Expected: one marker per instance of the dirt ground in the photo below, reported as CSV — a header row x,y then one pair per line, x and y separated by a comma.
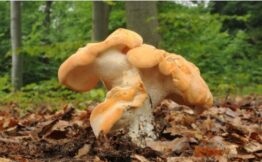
x,y
229,131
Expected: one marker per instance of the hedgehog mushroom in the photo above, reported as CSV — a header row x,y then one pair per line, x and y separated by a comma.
x,y
170,76
127,104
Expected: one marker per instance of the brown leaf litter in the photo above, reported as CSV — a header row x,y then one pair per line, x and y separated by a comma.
x,y
229,131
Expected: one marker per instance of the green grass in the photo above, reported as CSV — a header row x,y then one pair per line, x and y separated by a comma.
x,y
54,96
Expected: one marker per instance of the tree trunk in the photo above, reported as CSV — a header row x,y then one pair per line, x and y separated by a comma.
x,y
17,59
101,12
47,21
47,14
142,18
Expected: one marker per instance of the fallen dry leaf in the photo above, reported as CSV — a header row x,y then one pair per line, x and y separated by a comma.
x,y
184,159
228,131
167,147
253,147
5,160
84,150
207,151
244,157
139,158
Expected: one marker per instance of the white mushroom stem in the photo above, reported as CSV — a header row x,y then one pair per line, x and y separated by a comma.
x,y
127,104
160,87
157,85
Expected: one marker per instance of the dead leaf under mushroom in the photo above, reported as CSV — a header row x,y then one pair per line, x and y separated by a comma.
x,y
67,136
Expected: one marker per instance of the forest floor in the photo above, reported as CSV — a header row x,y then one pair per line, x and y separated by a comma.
x,y
229,131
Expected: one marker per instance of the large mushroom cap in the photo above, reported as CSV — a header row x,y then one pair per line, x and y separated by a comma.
x,y
186,84
76,72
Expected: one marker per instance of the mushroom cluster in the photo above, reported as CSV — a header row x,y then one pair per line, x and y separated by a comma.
x,y
138,77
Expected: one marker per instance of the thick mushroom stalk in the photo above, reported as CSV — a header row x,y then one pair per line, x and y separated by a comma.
x,y
126,104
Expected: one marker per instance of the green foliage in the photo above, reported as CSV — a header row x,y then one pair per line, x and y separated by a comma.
x,y
48,92
44,47
4,36
223,40
5,85
117,17
224,58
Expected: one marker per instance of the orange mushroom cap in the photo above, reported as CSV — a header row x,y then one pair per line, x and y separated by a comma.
x,y
188,86
186,77
145,56
77,72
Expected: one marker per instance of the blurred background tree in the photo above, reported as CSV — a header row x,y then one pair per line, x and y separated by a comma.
x,y
17,57
223,39
101,11
142,18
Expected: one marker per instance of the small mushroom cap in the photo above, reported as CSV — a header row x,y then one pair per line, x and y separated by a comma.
x,y
145,56
77,71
